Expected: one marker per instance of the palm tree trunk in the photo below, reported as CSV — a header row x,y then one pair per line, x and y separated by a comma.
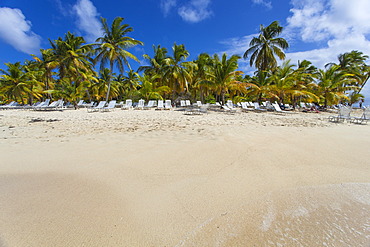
x,y
110,80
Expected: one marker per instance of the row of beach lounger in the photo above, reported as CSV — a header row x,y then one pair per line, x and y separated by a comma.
x,y
39,106
344,112
186,105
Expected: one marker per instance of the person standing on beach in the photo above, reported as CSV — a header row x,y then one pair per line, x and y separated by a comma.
x,y
361,102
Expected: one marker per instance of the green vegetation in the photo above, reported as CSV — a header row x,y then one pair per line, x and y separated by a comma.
x,y
68,70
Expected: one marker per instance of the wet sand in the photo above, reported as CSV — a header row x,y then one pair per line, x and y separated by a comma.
x,y
150,178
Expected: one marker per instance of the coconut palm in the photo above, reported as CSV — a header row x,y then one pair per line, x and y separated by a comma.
x,y
35,82
175,72
332,85
147,90
225,73
14,82
290,84
263,49
112,47
354,64
202,75
261,86
47,62
72,55
304,83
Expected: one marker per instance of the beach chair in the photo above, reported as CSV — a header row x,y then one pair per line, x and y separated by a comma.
x,y
140,105
111,106
258,108
80,103
58,105
344,113
182,103
150,105
204,108
187,103
88,105
278,109
42,105
244,106
8,106
227,109
160,105
167,105
364,118
199,103
230,105
127,105
53,106
100,106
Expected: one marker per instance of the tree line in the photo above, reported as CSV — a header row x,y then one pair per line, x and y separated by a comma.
x,y
67,70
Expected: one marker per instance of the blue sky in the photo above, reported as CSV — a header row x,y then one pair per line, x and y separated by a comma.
x,y
317,30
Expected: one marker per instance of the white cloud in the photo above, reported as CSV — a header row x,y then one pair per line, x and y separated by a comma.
x,y
167,6
192,11
267,4
16,31
87,19
195,11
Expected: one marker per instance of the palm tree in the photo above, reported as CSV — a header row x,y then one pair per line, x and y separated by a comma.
x,y
225,73
74,64
203,74
175,71
262,83
99,88
112,47
129,84
14,83
290,84
155,63
47,62
72,55
304,83
354,64
35,82
332,85
147,89
266,46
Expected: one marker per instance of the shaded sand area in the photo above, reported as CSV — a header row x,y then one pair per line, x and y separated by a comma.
x,y
150,178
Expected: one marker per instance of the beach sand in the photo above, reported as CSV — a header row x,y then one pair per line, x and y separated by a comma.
x,y
162,178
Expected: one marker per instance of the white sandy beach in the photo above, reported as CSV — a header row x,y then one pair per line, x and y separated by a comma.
x,y
161,178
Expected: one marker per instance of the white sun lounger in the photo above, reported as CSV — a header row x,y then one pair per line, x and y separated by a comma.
x,y
160,105
168,105
278,109
364,118
140,105
100,106
111,106
9,106
257,107
80,103
42,105
127,105
245,107
228,109
344,113
150,105
230,105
